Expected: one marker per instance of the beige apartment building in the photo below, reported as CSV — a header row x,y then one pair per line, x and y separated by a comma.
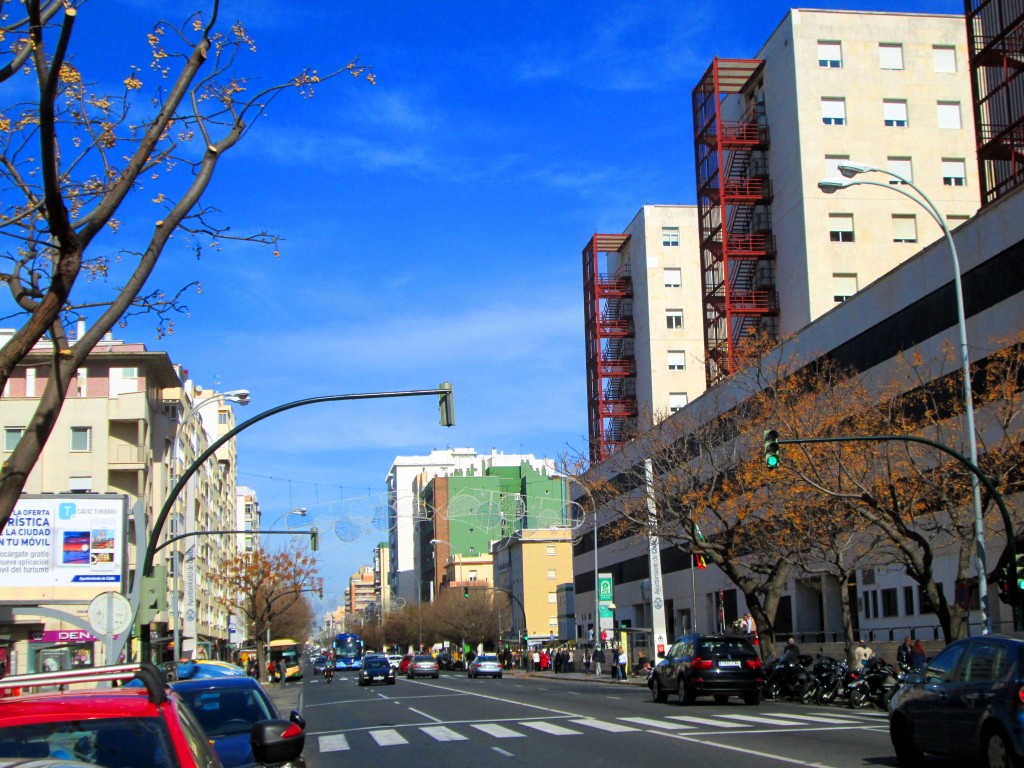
x,y
116,435
764,249
531,566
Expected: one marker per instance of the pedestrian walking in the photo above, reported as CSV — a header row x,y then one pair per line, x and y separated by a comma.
x,y
280,671
587,658
622,665
905,653
570,661
271,677
598,661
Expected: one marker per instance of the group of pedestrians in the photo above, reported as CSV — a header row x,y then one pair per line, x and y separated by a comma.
x,y
615,657
911,654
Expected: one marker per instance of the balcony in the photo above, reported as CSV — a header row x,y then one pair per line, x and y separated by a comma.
x,y
124,455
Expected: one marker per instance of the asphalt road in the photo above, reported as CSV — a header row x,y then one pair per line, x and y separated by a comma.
x,y
544,720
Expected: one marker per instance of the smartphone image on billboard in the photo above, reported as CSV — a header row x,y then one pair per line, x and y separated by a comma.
x,y
75,547
101,545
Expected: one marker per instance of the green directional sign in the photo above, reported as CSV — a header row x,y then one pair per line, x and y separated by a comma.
x,y
605,591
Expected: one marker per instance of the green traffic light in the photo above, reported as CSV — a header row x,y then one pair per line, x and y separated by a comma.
x,y
772,460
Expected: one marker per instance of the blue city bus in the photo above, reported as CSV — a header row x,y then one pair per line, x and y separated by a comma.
x,y
348,652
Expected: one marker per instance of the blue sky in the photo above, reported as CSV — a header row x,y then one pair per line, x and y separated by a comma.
x,y
432,223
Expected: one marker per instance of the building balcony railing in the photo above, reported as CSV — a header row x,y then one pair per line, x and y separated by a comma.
x,y
126,453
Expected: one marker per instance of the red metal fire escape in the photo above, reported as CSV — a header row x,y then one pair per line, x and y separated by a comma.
x,y
611,367
995,44
737,248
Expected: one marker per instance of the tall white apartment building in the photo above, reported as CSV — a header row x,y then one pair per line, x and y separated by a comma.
x,y
765,249
410,577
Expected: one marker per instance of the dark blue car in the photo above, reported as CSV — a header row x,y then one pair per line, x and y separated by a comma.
x,y
967,702
227,708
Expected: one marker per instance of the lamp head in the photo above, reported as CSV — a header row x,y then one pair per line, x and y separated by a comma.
x,y
239,396
850,168
300,511
829,186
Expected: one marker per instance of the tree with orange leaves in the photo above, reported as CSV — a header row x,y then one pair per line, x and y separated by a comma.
x,y
261,587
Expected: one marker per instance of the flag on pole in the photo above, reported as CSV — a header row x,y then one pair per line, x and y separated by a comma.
x,y
701,561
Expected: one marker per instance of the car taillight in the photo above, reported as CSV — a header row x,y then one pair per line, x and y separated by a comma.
x,y
291,731
1020,694
699,663
754,663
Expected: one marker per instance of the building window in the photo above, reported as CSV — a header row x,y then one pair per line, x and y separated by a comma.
x,y
901,166
833,111
944,58
843,286
890,606
674,319
954,220
954,173
840,227
552,574
673,277
552,597
677,361
551,550
894,113
866,601
908,601
552,622
11,437
890,56
670,236
904,228
223,417
677,401
83,382
949,115
830,54
924,601
80,484
81,439
832,166
472,575
131,372
30,382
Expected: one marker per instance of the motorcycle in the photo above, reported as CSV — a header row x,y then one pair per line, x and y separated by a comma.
x,y
875,685
328,674
789,679
827,673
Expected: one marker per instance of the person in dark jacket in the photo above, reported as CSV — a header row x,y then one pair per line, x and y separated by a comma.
x,y
904,654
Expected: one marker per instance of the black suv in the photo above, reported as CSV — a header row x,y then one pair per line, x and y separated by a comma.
x,y
708,665
966,702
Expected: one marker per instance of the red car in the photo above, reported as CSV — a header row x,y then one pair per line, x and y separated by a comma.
x,y
403,665
142,727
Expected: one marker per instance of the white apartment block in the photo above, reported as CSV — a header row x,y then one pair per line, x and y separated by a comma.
x,y
764,248
406,479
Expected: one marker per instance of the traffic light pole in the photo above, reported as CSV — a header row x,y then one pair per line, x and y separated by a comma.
x,y
1011,538
145,569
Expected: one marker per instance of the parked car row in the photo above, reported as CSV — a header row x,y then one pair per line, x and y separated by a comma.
x,y
211,719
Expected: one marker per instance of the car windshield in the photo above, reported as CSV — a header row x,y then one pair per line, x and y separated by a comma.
x,y
376,664
224,711
140,742
483,659
422,659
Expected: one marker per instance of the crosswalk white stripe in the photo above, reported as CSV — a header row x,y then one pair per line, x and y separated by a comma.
x,y
333,742
706,721
656,723
497,731
442,733
388,737
601,725
822,719
554,730
763,720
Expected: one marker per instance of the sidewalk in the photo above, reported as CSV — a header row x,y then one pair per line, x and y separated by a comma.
x,y
286,696
579,677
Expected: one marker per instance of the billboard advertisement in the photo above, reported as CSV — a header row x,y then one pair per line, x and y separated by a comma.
x,y
65,540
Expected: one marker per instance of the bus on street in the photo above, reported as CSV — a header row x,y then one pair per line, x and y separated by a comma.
x,y
348,651
287,652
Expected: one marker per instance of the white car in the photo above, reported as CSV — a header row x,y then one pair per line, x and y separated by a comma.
x,y
485,665
395,660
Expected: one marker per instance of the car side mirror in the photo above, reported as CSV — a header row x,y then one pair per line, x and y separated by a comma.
x,y
277,741
298,719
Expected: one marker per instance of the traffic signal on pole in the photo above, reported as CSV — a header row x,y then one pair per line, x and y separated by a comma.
x,y
314,539
771,448
1003,582
320,593
446,404
465,592
1020,570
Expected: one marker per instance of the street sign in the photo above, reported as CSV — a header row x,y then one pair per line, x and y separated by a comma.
x,y
110,613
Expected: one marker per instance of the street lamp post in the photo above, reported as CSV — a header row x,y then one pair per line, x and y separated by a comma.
x,y
240,397
849,170
298,511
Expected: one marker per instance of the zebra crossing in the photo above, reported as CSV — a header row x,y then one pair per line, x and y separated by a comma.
x,y
681,724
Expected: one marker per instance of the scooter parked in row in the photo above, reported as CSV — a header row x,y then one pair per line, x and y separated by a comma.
x,y
875,685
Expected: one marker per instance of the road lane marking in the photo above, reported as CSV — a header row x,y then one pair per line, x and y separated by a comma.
x,y
601,725
742,750
550,728
706,721
424,714
502,752
388,737
780,720
498,731
441,733
822,719
335,742
652,723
